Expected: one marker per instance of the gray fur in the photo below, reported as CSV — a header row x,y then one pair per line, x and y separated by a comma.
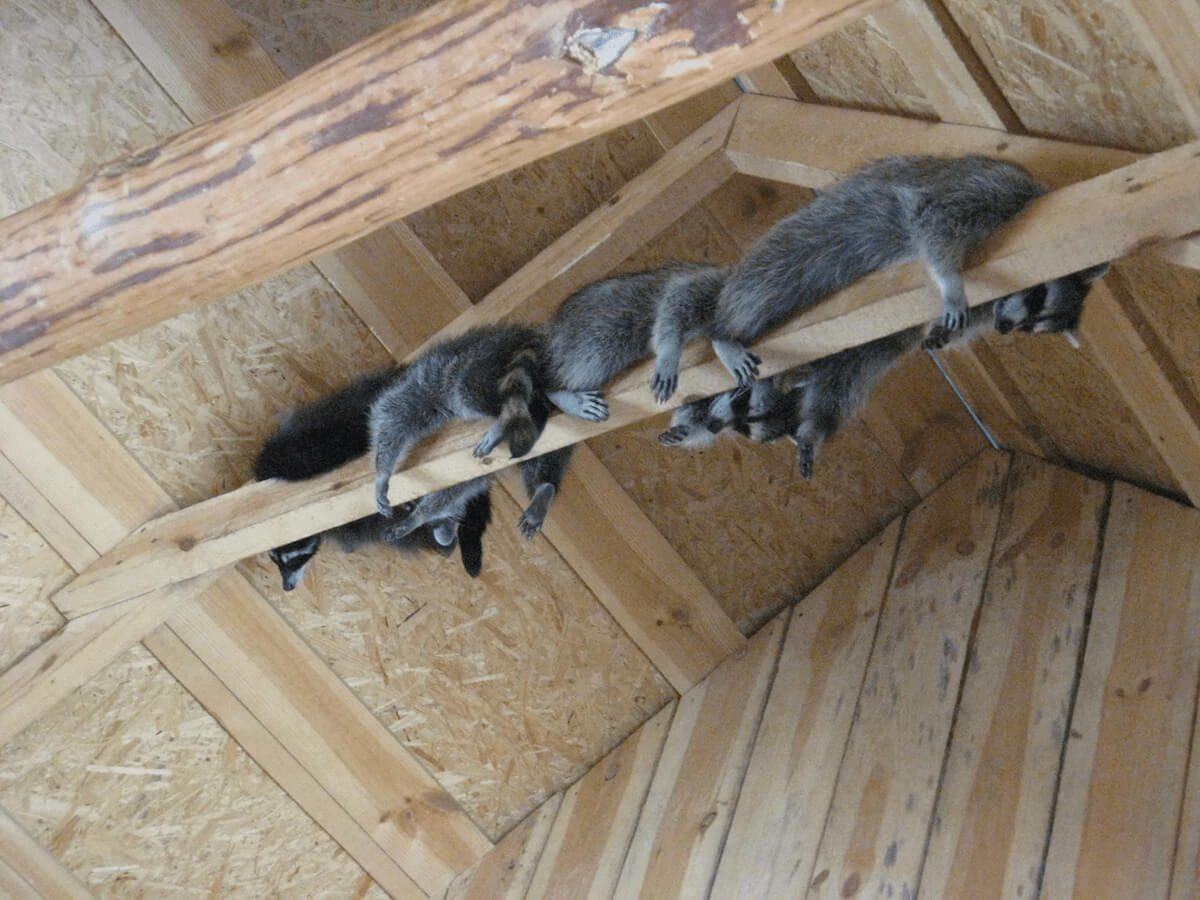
x,y
898,209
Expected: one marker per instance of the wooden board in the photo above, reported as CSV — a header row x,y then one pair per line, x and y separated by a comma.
x,y
41,874
682,826
30,571
504,872
874,839
591,834
1117,812
789,783
991,824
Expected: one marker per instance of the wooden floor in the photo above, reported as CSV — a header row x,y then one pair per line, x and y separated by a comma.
x,y
993,698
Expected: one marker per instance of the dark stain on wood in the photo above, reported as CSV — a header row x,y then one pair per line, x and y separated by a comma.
x,y
346,207
16,289
237,45
159,244
372,117
22,334
243,164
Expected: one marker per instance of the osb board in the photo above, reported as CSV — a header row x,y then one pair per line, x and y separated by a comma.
x,y
746,207
756,534
74,97
1073,69
508,686
30,571
141,794
486,233
856,66
1080,408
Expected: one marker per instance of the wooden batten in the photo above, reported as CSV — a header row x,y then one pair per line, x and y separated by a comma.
x,y
32,870
1070,229
1183,252
379,131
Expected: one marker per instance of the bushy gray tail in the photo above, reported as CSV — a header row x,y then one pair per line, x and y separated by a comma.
x,y
517,419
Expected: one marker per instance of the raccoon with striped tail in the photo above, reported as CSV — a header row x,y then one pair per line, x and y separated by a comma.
x,y
895,210
809,403
324,435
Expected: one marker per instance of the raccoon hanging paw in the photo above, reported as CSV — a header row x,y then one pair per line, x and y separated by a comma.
x,y
535,513
665,379
381,494
937,337
588,405
674,435
805,454
529,525
490,440
741,363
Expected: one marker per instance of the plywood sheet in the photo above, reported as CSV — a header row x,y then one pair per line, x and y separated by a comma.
x,y
1073,69
30,571
857,66
755,533
992,821
508,686
141,794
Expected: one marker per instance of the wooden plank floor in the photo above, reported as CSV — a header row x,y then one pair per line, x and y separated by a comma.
x,y
996,697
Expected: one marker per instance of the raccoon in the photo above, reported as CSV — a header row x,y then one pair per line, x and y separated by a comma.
x,y
895,210
809,403
329,433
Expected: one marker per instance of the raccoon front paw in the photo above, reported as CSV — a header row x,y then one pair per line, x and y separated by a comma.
x,y
741,363
746,370
529,525
937,338
381,497
805,454
952,320
594,408
673,435
488,442
663,385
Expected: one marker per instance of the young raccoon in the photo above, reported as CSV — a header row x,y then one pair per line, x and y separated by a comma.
x,y
810,403
892,211
604,328
329,433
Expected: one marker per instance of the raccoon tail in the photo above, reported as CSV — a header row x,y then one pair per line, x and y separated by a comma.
x,y
470,532
517,422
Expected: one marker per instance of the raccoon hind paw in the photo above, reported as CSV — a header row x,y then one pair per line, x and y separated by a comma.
x,y
805,453
529,525
673,435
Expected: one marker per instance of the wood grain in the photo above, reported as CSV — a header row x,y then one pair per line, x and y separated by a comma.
x,y
504,872
789,783
1121,792
874,839
991,824
36,867
381,130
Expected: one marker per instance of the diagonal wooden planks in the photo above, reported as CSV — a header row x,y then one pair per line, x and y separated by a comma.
x,y
1117,812
505,871
437,103
789,783
992,819
33,868
1069,229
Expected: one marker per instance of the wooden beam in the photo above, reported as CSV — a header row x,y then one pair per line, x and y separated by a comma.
x,y
1125,344
696,634
44,875
442,101
1103,218
814,146
1182,252
505,871
1170,32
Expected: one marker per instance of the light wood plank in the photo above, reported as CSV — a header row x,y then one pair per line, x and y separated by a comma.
x,y
637,575
1169,31
1183,252
1067,230
1185,873
875,836
27,500
780,814
383,129
1121,790
235,632
1126,346
677,843
35,866
992,821
505,871
587,846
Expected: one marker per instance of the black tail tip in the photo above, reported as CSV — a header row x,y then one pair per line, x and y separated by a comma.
x,y
472,556
521,438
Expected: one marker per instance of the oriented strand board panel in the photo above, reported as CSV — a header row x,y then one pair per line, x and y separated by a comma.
x,y
756,534
875,836
687,812
141,794
857,66
591,834
992,821
1121,791
508,686
30,571
777,826
1073,69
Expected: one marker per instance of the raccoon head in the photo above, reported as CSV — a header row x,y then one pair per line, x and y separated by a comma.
x,y
772,414
292,558
1051,307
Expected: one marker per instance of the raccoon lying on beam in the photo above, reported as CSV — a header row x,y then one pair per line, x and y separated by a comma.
x,y
809,403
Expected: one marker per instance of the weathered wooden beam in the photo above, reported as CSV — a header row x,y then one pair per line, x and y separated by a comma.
x,y
44,875
1157,198
444,100
1183,252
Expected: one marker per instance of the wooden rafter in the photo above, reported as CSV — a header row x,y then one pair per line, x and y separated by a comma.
x,y
381,130
1103,218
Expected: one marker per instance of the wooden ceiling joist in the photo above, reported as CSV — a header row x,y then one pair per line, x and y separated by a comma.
x,y
440,102
1156,198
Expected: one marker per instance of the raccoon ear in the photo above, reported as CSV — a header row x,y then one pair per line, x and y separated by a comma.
x,y
1073,338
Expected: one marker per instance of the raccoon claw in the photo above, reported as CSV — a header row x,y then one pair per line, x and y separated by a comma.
x,y
673,436
663,386
595,407
937,338
381,498
487,443
804,460
747,371
528,526
952,320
